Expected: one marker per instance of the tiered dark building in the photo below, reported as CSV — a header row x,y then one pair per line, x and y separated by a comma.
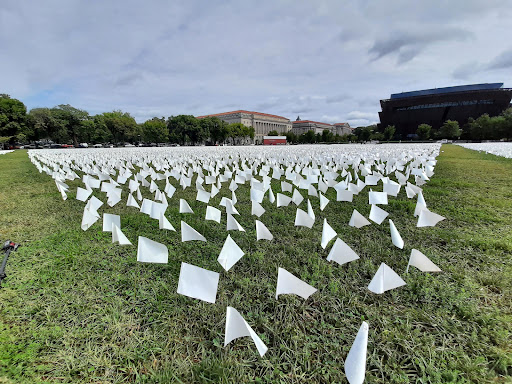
x,y
407,110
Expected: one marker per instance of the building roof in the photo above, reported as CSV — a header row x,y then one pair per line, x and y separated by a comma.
x,y
244,111
458,88
342,124
309,121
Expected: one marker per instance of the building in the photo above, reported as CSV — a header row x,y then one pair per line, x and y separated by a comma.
x,y
302,126
343,129
274,140
407,110
262,123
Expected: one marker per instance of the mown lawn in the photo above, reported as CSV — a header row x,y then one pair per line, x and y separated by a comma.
x,y
76,308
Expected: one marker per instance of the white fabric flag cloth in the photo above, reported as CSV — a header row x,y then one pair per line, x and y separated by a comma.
x,y
420,204
237,327
118,236
189,234
341,253
271,196
355,363
286,187
428,219
323,202
229,254
302,219
198,283
232,224
146,206
163,223
203,196
83,194
422,262
395,235
257,209
357,220
287,283
311,212
131,202
213,214
109,220
230,207
327,234
283,200
262,232
89,217
94,203
149,251
377,215
344,195
184,207
384,280
297,197
378,198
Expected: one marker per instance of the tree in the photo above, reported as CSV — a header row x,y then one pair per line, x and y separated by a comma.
x,y
216,128
12,116
291,137
185,128
389,132
507,123
327,136
273,133
449,130
308,137
155,130
423,131
121,125
364,133
71,119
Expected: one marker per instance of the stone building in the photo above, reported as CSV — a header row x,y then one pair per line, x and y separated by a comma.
x,y
342,129
262,123
302,126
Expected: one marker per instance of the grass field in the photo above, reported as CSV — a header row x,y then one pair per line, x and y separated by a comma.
x,y
76,308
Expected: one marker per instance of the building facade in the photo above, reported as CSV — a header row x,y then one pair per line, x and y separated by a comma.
x,y
302,126
407,110
262,123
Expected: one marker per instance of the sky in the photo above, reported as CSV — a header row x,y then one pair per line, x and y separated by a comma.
x,y
323,60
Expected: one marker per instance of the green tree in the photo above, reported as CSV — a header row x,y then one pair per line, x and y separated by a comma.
x,y
291,137
185,128
327,136
449,130
273,133
121,125
12,116
155,130
364,133
423,131
507,123
389,132
215,127
71,119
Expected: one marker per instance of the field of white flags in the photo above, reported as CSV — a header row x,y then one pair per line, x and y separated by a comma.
x,y
240,200
498,149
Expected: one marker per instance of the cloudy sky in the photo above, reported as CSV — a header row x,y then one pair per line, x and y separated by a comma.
x,y
324,60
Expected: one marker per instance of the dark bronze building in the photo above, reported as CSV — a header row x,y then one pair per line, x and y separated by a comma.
x,y
407,110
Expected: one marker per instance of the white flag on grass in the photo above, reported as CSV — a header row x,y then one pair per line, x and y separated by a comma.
x,y
283,200
428,219
323,202
90,216
184,207
357,220
83,194
257,209
341,253
149,251
237,327
163,223
420,204
108,220
327,234
422,262
189,234
302,219
311,212
203,196
213,214
377,215
232,224
378,198
297,197
229,254
384,280
262,232
395,235
355,364
198,283
287,283
131,202
118,236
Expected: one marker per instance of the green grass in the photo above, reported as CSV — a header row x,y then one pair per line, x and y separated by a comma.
x,y
76,308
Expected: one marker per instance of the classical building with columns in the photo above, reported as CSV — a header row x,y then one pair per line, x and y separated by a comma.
x,y
262,123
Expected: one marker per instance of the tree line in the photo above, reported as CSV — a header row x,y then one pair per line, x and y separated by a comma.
x,y
66,124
